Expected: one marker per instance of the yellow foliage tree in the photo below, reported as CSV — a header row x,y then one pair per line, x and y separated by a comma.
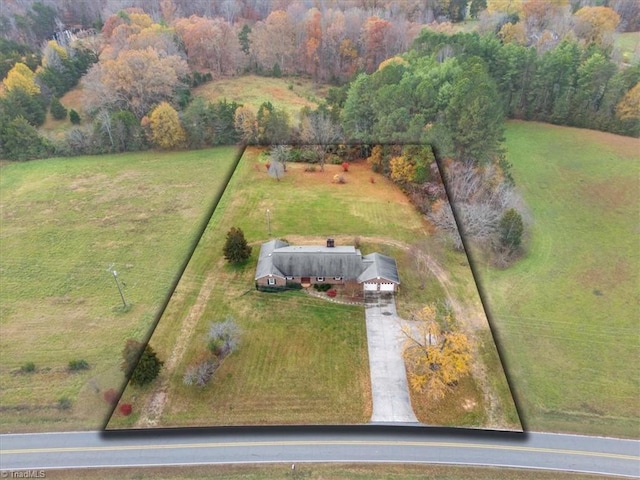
x,y
402,170
596,24
510,7
166,130
513,33
629,106
246,122
436,358
20,76
397,60
375,160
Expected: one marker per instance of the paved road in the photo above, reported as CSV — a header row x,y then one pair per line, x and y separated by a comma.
x,y
370,443
389,389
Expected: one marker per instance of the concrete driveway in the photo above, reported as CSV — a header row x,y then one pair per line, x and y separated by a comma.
x,y
389,388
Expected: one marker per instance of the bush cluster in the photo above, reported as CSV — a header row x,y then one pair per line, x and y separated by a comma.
x,y
76,365
322,287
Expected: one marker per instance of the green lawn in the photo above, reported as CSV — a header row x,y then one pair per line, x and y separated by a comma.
x,y
567,313
628,44
302,359
64,221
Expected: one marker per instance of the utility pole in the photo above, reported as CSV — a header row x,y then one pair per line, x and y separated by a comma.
x,y
269,221
115,277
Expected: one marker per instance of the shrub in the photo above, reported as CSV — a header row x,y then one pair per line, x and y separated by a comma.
x,y
332,293
28,367
200,373
339,179
345,166
111,396
322,287
310,168
64,403
223,337
74,117
268,165
76,365
125,409
372,180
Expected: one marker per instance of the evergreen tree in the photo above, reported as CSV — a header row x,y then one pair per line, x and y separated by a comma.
x,y
235,248
18,103
20,141
57,109
474,115
74,117
147,369
130,356
511,229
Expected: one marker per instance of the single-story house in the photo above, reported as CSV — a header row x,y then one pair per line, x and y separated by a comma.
x,y
281,264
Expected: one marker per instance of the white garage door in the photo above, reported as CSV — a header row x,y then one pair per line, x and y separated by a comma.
x,y
370,287
386,287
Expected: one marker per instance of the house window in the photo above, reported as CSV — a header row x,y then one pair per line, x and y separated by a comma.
x,y
320,279
271,281
337,278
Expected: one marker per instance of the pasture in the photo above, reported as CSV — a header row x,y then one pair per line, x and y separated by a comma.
x,y
302,359
64,222
291,94
566,315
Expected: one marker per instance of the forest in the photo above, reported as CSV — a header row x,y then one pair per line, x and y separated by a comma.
x,y
401,72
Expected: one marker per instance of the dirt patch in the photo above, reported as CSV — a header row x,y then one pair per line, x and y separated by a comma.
x,y
605,277
612,193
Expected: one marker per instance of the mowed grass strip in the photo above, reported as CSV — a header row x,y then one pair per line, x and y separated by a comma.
x,y
567,314
64,221
313,471
302,360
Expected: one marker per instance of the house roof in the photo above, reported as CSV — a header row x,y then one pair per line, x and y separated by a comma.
x,y
318,261
265,264
278,258
378,266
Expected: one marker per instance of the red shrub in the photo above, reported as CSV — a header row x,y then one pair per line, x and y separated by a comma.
x,y
110,396
372,180
125,409
332,293
345,166
268,165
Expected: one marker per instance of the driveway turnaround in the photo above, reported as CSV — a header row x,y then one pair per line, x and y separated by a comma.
x,y
389,389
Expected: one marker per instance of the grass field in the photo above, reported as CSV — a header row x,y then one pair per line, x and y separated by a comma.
x,y
290,94
321,472
567,313
302,359
629,45
64,221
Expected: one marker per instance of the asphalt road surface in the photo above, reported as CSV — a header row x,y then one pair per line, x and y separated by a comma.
x,y
371,443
